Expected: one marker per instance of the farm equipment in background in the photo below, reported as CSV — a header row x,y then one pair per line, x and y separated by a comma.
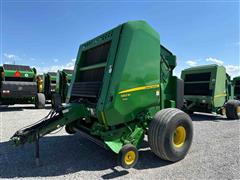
x,y
236,87
209,89
18,86
49,84
122,89
63,81
39,80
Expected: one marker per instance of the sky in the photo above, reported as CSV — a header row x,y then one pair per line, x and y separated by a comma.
x,y
47,34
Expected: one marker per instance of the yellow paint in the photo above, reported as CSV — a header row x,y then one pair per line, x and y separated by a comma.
x,y
238,109
179,136
140,88
223,111
40,85
220,95
129,157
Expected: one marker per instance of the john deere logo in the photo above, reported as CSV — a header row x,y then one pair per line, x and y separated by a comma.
x,y
26,75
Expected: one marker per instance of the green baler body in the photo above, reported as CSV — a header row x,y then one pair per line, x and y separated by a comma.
x,y
206,88
17,84
49,84
121,79
63,81
131,71
236,87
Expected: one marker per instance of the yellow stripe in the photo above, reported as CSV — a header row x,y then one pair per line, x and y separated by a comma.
x,y
140,88
103,118
220,95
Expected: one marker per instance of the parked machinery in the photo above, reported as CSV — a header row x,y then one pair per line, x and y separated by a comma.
x,y
49,84
39,83
18,86
63,81
122,88
209,89
236,87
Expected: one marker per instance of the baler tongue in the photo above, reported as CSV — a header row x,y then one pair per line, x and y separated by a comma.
x,y
56,118
33,132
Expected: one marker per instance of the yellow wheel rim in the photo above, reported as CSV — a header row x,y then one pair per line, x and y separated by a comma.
x,y
238,109
129,157
179,136
223,111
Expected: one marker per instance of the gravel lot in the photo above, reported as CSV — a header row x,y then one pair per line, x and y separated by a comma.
x,y
214,153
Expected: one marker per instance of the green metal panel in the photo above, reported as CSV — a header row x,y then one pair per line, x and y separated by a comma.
x,y
220,91
23,73
135,76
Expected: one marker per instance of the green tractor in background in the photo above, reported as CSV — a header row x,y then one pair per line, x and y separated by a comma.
x,y
18,86
236,87
122,89
63,81
209,89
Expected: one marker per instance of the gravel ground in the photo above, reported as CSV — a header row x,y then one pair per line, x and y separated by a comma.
x,y
214,153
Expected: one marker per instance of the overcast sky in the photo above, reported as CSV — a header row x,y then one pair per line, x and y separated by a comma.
x,y
47,34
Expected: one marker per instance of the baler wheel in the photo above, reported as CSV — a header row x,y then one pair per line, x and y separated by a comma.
x,y
40,101
69,129
233,109
128,156
170,134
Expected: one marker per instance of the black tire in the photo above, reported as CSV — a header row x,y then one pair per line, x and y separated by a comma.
x,y
128,156
56,100
69,129
161,134
232,109
40,101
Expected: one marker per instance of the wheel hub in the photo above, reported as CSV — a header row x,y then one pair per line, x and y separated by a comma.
x,y
238,111
130,157
179,136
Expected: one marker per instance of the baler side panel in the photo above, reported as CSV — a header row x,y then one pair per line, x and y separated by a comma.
x,y
46,85
220,91
135,80
58,82
168,82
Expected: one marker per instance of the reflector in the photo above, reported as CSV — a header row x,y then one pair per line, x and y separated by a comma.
x,y
17,74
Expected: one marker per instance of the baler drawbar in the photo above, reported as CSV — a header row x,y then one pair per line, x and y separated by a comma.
x,y
54,120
